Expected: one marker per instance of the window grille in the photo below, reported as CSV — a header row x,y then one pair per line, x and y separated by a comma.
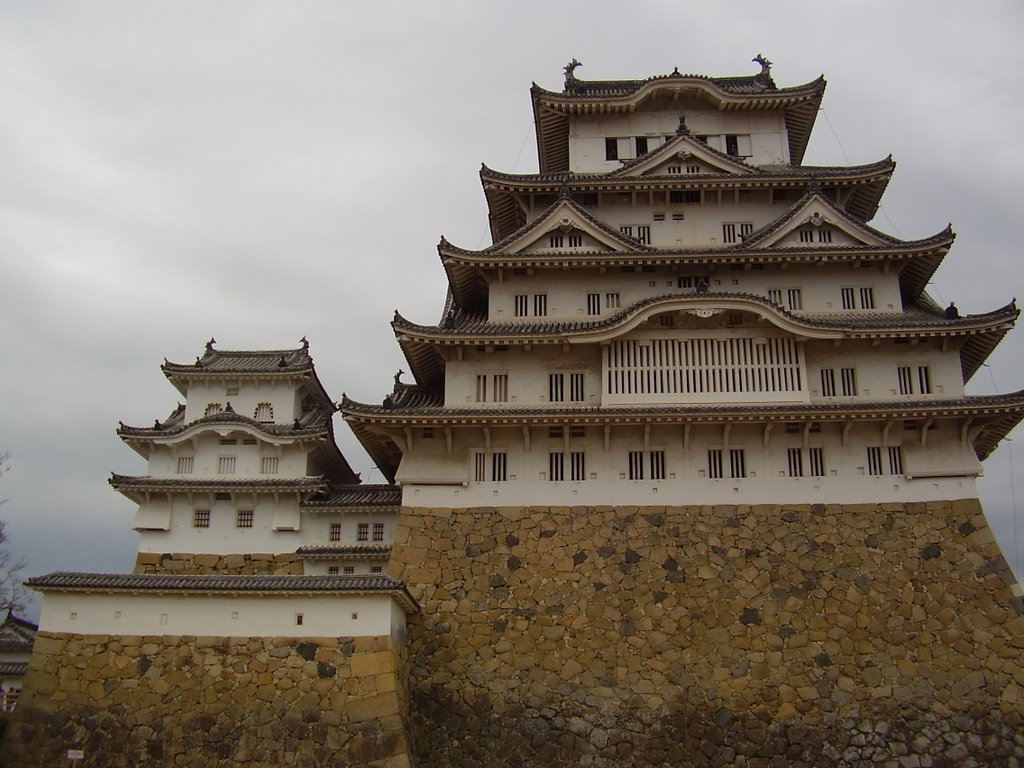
x,y
895,460
575,241
906,380
816,462
348,570
643,234
577,466
481,388
333,570
715,463
363,532
556,387
479,467
556,467
628,231
556,241
501,387
522,305
201,518
244,518
696,366
796,462
378,531
824,235
540,304
636,465
867,298
794,300
848,298
593,303
226,465
576,387
657,465
828,382
924,380
807,235
874,460
849,381
693,169
499,467
737,463
673,169
611,300
335,534
268,465
185,465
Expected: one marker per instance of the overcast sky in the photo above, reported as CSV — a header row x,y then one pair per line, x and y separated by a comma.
x,y
257,172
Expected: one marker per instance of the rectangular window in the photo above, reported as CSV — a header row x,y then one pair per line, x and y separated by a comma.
x,y
874,460
226,465
575,241
556,241
824,235
577,430
576,387
556,467
643,234
268,465
335,532
556,387
737,463
378,531
332,570
244,518
816,462
577,466
924,380
686,196
481,388
775,296
611,300
848,298
501,388
735,232
794,300
201,518
593,303
348,570
627,231
611,149
715,463
522,305
376,569
796,462
867,298
693,169
657,465
849,381
906,380
499,467
807,235
641,145
636,465
828,382
895,460
185,465
363,532
540,304
479,467
737,145
673,169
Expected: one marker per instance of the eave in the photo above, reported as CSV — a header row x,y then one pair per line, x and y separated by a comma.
x,y
139,488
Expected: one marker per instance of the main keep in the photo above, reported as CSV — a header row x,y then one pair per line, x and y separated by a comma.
x,y
686,472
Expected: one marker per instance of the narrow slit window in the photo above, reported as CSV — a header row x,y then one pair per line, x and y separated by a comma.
x,y
269,465
499,467
906,380
816,462
874,460
335,534
796,462
636,465
849,381
226,465
828,382
715,463
576,387
479,467
924,380
556,387
556,467
500,391
577,466
895,460
540,304
185,464
363,532
522,305
657,465
593,303
737,463
378,531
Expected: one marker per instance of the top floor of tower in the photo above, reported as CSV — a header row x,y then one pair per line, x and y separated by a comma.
x,y
596,126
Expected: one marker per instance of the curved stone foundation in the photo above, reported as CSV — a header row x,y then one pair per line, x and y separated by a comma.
x,y
712,636
202,701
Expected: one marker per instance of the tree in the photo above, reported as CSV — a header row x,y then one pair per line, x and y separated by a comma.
x,y
12,591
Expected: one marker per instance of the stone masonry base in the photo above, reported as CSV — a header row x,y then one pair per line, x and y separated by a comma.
x,y
751,636
211,701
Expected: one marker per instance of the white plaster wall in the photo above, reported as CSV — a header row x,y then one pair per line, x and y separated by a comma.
x,y
877,368
281,394
223,536
768,137
821,288
221,616
316,526
942,468
249,448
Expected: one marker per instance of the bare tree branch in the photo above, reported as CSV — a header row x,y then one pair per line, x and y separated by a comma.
x,y
12,591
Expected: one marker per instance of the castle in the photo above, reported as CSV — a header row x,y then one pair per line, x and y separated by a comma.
x,y
685,475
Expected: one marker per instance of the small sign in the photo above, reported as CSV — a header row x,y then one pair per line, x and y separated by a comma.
x,y
76,754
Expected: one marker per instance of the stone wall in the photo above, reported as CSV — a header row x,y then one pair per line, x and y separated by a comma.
x,y
751,636
191,563
212,701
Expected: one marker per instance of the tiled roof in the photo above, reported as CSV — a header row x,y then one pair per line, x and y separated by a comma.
x,y
358,496
312,422
131,486
371,551
13,668
744,85
913,319
1005,410
93,582
17,634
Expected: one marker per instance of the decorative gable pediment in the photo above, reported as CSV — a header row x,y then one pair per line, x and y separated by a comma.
x,y
567,228
815,222
683,155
